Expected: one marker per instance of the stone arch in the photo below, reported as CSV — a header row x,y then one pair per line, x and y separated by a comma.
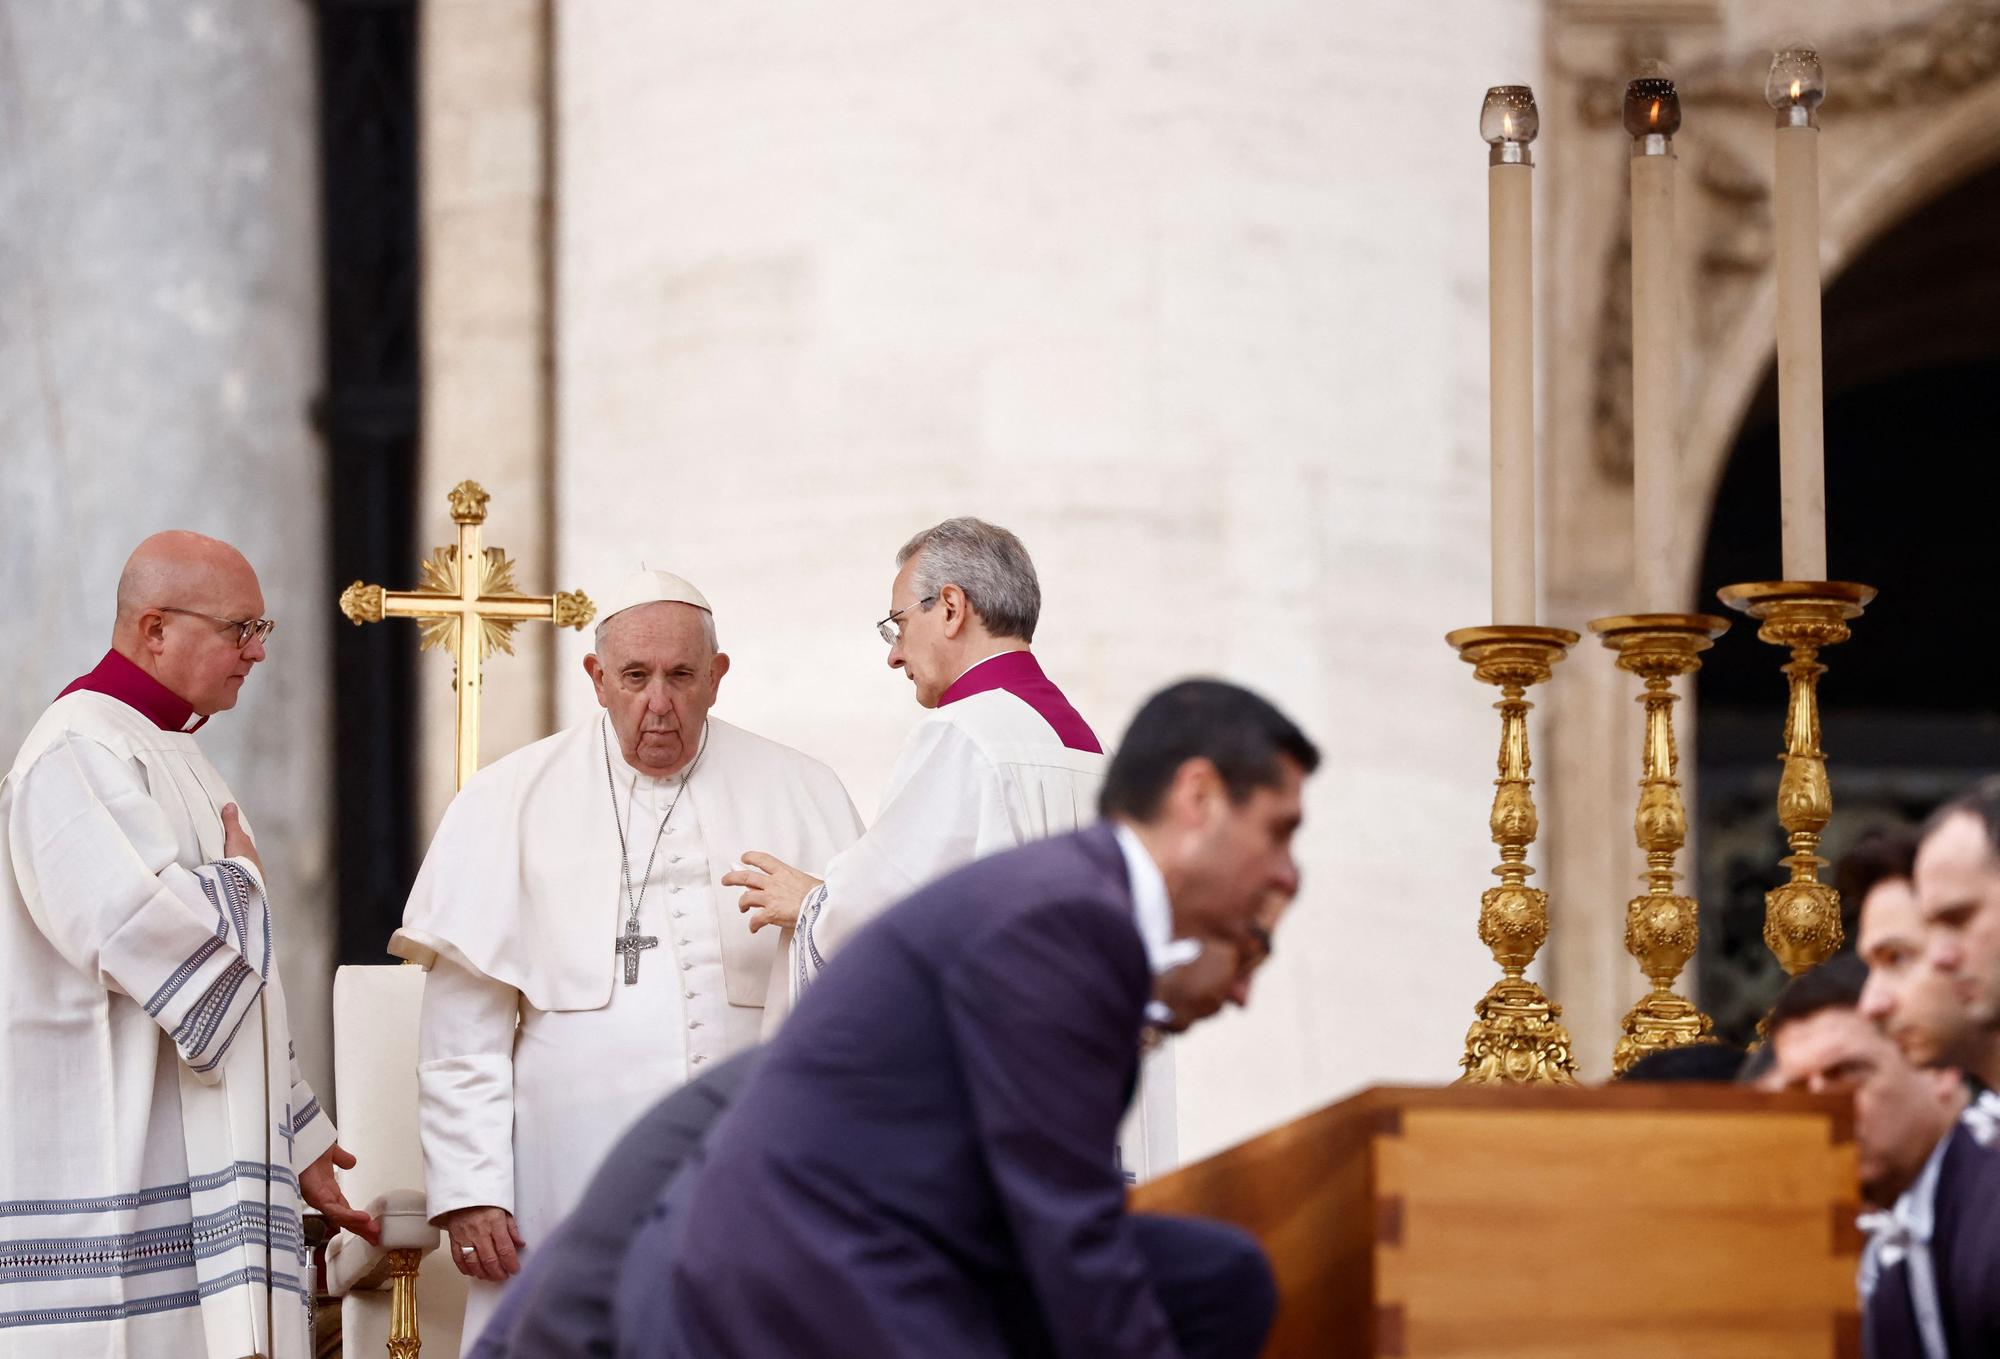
x,y
1916,108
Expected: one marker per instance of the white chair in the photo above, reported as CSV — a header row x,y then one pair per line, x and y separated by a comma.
x,y
385,1289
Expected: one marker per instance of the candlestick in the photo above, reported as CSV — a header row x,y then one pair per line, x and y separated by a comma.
x,y
1802,916
1517,1036
1662,927
1652,116
1509,121
1795,88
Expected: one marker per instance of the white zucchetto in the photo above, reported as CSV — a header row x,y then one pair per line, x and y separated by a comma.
x,y
647,586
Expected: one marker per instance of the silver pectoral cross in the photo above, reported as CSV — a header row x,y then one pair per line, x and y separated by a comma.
x,y
631,943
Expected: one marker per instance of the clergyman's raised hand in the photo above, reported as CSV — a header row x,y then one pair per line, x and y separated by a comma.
x,y
236,842
776,890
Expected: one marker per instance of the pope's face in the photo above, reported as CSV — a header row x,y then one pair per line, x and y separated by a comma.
x,y
198,658
657,678
1910,999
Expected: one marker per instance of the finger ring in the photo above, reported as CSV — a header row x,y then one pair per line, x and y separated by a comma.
x,y
468,1250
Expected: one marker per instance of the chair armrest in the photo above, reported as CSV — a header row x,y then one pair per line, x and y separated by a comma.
x,y
354,1265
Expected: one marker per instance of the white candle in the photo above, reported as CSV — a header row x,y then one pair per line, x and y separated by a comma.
x,y
1509,121
1795,88
1652,116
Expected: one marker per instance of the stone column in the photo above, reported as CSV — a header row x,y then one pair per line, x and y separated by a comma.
x,y
486,344
159,350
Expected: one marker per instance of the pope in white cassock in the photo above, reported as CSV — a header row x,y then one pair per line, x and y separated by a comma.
x,y
584,958
158,1137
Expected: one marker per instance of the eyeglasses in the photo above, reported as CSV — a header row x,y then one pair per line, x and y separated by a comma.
x,y
1259,952
891,630
247,629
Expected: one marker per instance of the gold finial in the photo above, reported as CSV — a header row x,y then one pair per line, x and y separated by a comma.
x,y
362,603
468,503
574,609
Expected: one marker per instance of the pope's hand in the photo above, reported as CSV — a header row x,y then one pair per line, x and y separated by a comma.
x,y
483,1242
777,890
236,842
319,1188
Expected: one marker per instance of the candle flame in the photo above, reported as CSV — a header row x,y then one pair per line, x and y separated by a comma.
x,y
1507,125
1653,114
1795,89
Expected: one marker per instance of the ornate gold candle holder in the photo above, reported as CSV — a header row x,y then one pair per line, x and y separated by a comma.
x,y
1517,1036
1802,916
1662,926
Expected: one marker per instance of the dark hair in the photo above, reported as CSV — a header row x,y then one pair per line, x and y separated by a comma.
x,y
1885,854
1690,1062
1757,1065
1834,985
1240,733
1982,799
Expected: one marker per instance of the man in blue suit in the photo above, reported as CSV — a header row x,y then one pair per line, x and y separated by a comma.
x,y
923,1166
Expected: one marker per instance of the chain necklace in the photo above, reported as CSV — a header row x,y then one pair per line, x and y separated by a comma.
x,y
624,852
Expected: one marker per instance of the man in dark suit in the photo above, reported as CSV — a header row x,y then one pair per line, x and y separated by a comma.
x,y
560,1305
1938,997
924,1164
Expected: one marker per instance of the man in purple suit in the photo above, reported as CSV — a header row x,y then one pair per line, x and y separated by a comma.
x,y
924,1164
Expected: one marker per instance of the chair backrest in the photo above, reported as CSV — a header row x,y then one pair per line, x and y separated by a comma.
x,y
375,1012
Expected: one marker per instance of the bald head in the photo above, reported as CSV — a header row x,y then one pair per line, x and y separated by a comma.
x,y
176,596
184,569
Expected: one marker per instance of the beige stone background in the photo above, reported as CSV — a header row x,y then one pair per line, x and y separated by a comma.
x,y
1193,298
159,351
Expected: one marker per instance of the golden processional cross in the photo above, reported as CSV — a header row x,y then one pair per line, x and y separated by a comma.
x,y
469,607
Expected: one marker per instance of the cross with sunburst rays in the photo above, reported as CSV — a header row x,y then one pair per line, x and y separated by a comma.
x,y
468,593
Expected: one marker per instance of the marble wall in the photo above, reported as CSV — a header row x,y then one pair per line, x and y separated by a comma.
x,y
486,379
1192,297
159,345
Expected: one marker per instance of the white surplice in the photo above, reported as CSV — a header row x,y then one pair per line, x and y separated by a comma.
x,y
535,1055
155,1119
978,775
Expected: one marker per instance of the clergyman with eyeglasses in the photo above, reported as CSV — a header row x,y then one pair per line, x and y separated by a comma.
x,y
161,1124
1000,759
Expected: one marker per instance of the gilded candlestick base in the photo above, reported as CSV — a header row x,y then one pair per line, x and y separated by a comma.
x,y
1517,1035
1662,927
1802,916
